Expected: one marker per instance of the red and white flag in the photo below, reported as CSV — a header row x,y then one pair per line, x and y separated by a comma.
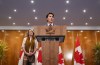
x,y
20,62
39,57
60,57
78,56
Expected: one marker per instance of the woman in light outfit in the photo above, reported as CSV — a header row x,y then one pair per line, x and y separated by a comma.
x,y
29,46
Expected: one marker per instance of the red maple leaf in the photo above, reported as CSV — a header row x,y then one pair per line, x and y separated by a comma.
x,y
78,57
60,58
21,53
40,56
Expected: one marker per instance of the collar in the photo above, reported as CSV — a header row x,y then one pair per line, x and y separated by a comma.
x,y
49,24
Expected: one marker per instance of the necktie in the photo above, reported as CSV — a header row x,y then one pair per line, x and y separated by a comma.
x,y
50,25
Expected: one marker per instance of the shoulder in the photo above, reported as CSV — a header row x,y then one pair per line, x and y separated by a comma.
x,y
24,38
35,39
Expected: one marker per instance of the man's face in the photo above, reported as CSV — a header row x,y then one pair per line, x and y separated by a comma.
x,y
50,18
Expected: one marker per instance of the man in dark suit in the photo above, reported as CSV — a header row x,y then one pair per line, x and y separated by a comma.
x,y
50,19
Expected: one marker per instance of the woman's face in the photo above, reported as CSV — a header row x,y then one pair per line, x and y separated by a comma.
x,y
30,32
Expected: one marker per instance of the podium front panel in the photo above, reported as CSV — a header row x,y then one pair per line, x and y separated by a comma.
x,y
50,50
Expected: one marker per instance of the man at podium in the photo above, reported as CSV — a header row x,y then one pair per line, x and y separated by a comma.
x,y
50,23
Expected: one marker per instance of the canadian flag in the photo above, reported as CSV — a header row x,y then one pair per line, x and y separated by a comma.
x,y
60,57
20,62
78,57
39,57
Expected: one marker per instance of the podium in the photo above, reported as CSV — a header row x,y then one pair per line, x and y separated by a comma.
x,y
50,37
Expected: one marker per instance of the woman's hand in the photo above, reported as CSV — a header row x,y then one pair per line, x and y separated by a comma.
x,y
32,53
29,54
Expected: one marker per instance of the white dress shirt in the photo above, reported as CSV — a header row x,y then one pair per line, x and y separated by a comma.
x,y
50,23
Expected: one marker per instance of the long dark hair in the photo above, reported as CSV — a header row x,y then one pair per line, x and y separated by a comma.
x,y
27,43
